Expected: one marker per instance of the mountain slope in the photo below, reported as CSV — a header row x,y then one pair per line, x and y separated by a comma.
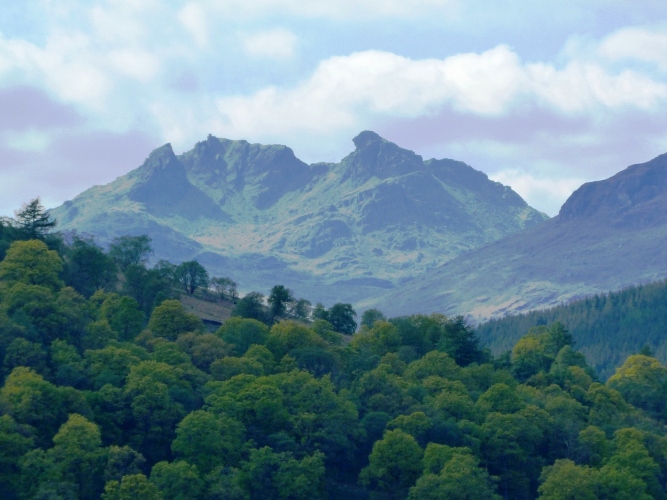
x,y
608,235
261,216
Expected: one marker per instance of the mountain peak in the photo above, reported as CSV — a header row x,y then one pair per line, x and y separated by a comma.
x,y
367,138
636,191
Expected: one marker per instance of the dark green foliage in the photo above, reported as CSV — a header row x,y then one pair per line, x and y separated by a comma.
x,y
341,317
88,268
252,306
278,300
606,328
370,316
129,251
34,220
96,404
191,275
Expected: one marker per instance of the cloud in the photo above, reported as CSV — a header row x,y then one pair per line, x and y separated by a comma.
x,y
641,44
277,43
193,18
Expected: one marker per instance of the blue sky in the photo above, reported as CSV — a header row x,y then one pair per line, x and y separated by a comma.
x,y
540,95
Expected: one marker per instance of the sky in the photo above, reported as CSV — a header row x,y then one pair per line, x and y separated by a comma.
x,y
540,95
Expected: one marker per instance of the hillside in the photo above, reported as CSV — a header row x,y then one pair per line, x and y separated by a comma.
x,y
608,235
607,328
261,216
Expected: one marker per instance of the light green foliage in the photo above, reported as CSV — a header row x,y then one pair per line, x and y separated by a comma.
x,y
460,479
416,424
170,319
642,381
177,481
436,456
288,335
242,333
395,463
132,487
98,334
226,368
567,481
31,263
208,441
110,365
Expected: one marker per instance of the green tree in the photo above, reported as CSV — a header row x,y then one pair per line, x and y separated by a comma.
x,y
241,333
88,268
370,316
170,319
226,288
177,481
15,441
341,316
642,381
395,464
129,251
32,263
279,298
131,488
122,461
191,275
34,220
208,441
123,315
565,480
460,479
251,306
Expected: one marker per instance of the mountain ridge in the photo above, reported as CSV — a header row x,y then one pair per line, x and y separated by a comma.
x,y
608,235
258,213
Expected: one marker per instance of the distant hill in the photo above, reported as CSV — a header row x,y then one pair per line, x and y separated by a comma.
x,y
607,328
608,235
261,216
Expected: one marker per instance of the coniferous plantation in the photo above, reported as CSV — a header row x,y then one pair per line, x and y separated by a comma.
x,y
111,389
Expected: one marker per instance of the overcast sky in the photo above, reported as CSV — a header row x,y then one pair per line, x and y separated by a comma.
x,y
540,95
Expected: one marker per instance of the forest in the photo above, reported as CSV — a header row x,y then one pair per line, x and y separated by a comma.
x,y
607,328
111,389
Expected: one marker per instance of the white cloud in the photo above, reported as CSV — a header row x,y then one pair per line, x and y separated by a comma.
x,y
276,43
343,90
642,44
193,17
547,193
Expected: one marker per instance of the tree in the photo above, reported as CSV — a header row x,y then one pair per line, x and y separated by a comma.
x,y
131,488
225,288
341,316
207,440
460,479
178,480
191,275
32,263
34,219
394,464
300,309
170,319
565,480
252,307
370,316
88,268
130,250
278,301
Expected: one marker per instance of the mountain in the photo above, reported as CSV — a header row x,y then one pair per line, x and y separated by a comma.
x,y
608,235
261,216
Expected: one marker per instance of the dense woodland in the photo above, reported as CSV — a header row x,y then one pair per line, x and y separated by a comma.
x,y
606,328
111,389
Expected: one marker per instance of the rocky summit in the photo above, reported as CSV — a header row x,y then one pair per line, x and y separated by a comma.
x,y
608,235
261,216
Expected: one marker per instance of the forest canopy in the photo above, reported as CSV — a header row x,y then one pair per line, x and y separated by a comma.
x,y
112,389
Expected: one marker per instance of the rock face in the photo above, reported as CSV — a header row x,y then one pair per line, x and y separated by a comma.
x,y
261,216
608,235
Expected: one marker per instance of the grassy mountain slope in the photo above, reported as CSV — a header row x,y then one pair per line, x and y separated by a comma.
x,y
608,235
261,216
